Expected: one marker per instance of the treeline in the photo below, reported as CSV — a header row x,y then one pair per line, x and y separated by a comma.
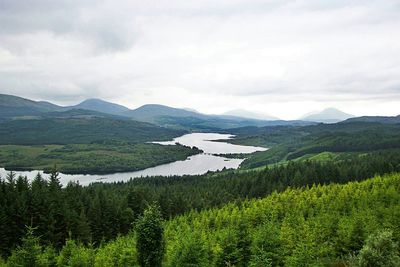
x,y
295,142
100,212
84,129
355,224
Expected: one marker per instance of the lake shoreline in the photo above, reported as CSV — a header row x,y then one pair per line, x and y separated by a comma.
x,y
212,156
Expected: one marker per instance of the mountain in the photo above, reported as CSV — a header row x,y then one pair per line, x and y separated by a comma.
x,y
379,119
250,115
101,106
14,106
191,110
329,115
151,112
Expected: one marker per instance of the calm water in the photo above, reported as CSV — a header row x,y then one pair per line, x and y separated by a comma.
x,y
198,164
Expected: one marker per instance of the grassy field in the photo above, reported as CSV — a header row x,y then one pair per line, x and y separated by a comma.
x,y
91,158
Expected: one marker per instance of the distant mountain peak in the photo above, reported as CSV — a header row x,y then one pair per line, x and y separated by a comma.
x,y
149,112
250,115
100,105
327,115
191,110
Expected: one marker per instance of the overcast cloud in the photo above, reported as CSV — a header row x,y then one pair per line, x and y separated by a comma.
x,y
284,58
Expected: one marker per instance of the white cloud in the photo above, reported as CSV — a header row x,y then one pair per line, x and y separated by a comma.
x,y
280,57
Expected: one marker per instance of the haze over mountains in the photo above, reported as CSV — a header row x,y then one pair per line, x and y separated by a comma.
x,y
12,107
328,115
251,115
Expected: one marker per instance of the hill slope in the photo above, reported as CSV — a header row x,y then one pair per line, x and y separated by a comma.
x,y
379,119
79,130
317,226
101,106
151,112
13,106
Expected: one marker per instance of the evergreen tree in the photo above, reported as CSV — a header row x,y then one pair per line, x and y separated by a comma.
x,y
150,240
28,253
57,233
380,251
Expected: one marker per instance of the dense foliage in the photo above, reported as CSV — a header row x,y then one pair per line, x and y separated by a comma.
x,y
95,158
288,143
344,225
100,212
81,130
150,238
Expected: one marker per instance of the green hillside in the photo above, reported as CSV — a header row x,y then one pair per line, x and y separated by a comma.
x,y
289,143
151,112
101,106
380,119
13,106
332,225
81,130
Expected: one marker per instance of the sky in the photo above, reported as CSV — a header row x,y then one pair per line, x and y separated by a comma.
x,y
283,58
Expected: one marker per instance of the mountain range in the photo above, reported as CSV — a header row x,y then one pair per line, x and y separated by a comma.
x,y
14,107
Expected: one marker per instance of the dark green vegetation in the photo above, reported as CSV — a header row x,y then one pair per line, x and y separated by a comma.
x,y
95,158
389,120
12,106
81,131
37,135
308,202
290,143
150,238
102,106
102,211
336,225
216,123
81,141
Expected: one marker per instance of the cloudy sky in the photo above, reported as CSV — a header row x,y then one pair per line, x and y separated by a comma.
x,y
283,58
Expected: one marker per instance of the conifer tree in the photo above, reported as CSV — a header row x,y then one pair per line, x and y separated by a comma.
x,y
150,240
380,250
28,253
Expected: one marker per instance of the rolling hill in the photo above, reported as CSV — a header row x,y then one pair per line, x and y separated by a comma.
x,y
81,129
101,106
13,106
151,112
379,119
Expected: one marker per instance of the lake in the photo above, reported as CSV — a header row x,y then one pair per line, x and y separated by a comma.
x,y
197,164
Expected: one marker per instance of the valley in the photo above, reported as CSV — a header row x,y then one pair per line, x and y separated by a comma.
x,y
102,158
240,133
190,154
218,185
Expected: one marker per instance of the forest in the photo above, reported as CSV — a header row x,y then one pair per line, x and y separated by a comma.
x,y
81,127
322,195
293,142
355,224
91,217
